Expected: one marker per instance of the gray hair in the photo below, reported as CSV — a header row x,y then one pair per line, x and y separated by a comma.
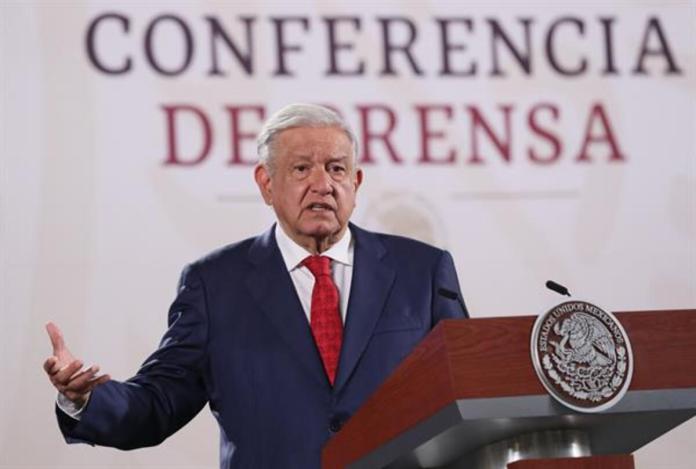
x,y
299,115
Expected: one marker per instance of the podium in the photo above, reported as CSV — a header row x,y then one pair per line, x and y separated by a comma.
x,y
468,397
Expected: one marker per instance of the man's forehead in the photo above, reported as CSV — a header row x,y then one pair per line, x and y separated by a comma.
x,y
310,141
307,134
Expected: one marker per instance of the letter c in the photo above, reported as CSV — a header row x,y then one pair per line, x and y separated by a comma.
x,y
91,47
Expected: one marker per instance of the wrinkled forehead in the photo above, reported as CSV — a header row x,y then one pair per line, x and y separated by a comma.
x,y
326,142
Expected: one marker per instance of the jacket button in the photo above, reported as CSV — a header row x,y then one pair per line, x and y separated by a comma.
x,y
335,425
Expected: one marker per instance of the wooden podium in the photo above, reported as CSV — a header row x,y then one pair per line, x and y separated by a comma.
x,y
470,385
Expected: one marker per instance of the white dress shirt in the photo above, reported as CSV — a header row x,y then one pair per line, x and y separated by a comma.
x,y
341,255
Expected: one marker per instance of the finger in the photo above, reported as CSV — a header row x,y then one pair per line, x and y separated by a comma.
x,y
62,377
81,396
56,337
100,380
57,366
81,381
50,365
97,381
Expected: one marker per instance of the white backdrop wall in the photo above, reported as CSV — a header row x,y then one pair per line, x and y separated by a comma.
x,y
534,140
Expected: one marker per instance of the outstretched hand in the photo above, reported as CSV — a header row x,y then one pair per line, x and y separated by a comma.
x,y
66,373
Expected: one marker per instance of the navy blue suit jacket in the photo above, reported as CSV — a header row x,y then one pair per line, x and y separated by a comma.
x,y
239,340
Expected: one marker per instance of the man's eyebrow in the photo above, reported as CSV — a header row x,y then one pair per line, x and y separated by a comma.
x,y
300,157
334,159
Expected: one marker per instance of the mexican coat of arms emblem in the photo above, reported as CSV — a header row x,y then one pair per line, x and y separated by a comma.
x,y
582,356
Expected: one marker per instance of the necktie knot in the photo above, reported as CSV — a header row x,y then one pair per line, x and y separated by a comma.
x,y
318,265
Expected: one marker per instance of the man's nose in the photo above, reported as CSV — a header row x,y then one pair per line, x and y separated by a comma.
x,y
321,181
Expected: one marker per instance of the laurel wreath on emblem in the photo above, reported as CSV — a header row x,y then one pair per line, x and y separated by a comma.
x,y
586,363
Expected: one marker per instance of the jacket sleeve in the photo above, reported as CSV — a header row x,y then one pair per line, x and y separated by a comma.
x,y
166,393
448,302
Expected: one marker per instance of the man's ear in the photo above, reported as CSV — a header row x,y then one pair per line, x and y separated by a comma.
x,y
358,179
263,180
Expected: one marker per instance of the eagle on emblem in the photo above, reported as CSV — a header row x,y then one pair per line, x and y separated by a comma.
x,y
584,340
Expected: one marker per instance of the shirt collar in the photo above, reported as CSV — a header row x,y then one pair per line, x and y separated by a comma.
x,y
293,254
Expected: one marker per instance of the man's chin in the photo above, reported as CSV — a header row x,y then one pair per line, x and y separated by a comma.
x,y
322,230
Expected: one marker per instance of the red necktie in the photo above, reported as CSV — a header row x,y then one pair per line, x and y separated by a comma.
x,y
326,324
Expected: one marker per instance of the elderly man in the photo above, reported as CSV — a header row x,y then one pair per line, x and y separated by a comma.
x,y
284,335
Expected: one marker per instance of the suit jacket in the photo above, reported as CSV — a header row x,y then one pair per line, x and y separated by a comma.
x,y
239,340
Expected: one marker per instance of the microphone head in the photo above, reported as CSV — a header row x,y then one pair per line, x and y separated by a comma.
x,y
557,287
448,293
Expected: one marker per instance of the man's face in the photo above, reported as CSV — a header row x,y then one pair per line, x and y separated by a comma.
x,y
313,184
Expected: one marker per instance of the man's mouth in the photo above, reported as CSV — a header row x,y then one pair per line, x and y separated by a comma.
x,y
319,207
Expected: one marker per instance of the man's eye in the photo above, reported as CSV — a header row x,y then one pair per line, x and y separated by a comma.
x,y
301,168
337,168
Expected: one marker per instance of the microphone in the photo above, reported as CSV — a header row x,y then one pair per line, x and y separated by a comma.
x,y
557,287
450,295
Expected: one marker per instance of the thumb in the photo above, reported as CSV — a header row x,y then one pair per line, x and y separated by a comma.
x,y
56,338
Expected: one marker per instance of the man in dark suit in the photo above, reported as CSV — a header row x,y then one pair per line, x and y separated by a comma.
x,y
284,335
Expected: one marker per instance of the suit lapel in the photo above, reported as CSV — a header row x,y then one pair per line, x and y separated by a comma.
x,y
370,286
271,287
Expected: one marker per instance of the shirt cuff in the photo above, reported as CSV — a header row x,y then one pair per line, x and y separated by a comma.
x,y
69,407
